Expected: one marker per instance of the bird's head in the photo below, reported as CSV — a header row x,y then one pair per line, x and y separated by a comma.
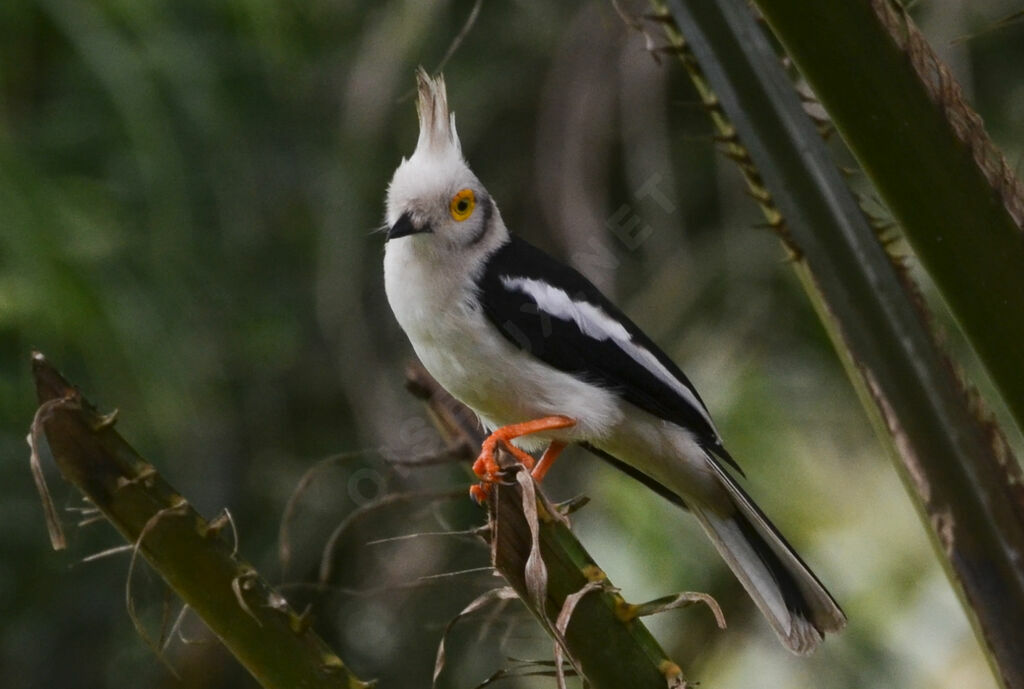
x,y
435,203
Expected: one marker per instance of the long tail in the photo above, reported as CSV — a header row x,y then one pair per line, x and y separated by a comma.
x,y
792,599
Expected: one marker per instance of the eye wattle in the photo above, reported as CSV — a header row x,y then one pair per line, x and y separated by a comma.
x,y
462,204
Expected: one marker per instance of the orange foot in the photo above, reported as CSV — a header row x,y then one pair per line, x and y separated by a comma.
x,y
486,467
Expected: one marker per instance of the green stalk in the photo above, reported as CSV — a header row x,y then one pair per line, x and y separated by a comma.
x,y
611,648
604,638
252,620
955,464
904,117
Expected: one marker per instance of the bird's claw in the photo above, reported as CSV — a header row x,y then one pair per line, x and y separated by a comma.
x,y
479,492
487,468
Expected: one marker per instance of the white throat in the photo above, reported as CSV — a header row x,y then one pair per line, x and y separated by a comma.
x,y
429,282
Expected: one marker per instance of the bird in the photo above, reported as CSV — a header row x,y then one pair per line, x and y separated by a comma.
x,y
545,360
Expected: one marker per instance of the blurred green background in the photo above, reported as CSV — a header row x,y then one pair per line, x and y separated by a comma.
x,y
188,193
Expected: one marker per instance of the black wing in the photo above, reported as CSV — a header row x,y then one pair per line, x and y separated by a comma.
x,y
566,333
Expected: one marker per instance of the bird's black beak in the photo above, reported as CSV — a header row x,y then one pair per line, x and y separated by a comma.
x,y
404,227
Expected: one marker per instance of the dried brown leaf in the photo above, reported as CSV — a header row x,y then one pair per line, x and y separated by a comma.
x,y
36,433
679,600
484,599
562,623
284,547
535,571
327,556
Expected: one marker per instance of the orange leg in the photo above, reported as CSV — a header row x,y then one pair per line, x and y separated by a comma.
x,y
486,467
547,460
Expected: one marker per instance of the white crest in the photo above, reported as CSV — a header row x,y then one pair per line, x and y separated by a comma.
x,y
437,125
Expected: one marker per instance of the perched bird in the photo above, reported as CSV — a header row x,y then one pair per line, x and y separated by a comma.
x,y
545,359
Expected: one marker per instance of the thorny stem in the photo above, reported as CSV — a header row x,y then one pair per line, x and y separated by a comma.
x,y
955,463
533,548
254,622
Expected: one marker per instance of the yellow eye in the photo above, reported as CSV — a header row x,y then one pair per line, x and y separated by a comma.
x,y
462,204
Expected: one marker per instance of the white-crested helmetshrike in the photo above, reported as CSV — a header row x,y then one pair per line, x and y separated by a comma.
x,y
545,359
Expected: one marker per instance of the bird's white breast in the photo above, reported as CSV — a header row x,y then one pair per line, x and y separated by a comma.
x,y
440,313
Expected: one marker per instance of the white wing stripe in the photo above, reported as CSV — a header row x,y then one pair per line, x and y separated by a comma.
x,y
594,322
